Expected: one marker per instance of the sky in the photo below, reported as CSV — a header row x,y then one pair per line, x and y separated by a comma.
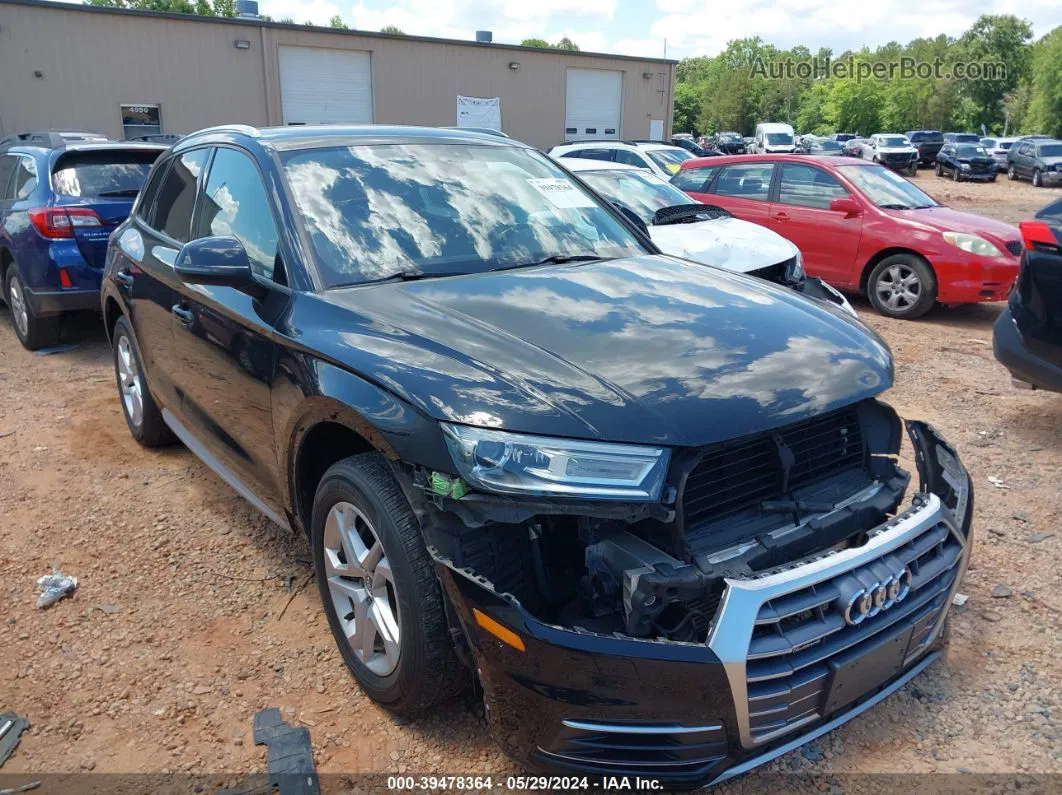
x,y
690,27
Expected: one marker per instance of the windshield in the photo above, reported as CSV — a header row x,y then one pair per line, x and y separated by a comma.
x,y
967,150
779,139
893,141
1004,144
640,192
928,138
886,188
669,159
966,138
825,146
729,137
379,211
1053,150
96,174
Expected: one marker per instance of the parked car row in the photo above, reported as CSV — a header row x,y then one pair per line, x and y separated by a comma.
x,y
632,494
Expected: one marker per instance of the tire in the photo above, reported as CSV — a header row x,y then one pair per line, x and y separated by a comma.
x,y
956,174
1012,173
141,413
910,303
419,668
33,332
912,170
1037,178
940,170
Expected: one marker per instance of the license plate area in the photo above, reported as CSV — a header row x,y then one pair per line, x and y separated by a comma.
x,y
859,671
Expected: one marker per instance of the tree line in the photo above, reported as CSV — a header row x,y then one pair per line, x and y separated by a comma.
x,y
733,91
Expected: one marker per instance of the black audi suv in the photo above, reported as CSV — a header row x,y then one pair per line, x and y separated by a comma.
x,y
653,507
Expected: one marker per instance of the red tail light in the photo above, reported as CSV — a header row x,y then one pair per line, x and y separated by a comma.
x,y
1037,234
60,222
64,279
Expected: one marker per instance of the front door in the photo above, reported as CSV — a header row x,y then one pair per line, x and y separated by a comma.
x,y
223,338
801,213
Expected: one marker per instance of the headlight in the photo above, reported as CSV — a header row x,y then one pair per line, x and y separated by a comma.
x,y
510,463
964,166
972,244
794,271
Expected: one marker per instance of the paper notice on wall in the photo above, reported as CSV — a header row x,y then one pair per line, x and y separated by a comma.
x,y
479,112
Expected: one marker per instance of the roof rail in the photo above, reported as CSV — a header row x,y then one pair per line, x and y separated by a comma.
x,y
601,141
242,129
51,139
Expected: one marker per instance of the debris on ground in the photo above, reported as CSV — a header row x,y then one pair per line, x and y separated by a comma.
x,y
32,785
997,482
55,586
959,599
289,753
1002,591
1036,538
11,728
68,346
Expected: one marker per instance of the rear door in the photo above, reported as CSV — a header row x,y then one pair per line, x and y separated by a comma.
x,y
223,337
100,181
801,213
145,276
744,189
1023,159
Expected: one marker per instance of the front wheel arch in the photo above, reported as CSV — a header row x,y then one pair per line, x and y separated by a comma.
x,y
872,263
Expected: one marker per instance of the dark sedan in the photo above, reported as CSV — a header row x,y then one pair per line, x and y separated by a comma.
x,y
1028,334
820,146
966,162
655,509
730,143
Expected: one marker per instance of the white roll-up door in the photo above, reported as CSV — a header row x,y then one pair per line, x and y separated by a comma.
x,y
319,86
593,104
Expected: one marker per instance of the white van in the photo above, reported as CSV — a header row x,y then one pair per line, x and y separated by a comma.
x,y
773,138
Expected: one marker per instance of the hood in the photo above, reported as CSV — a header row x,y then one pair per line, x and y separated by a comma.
x,y
945,219
728,243
896,150
650,350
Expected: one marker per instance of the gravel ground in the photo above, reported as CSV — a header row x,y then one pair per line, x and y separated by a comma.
x,y
183,625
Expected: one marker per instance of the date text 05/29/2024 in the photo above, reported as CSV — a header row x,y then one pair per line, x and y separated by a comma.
x,y
528,783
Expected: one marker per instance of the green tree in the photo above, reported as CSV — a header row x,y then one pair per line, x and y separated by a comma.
x,y
542,43
687,105
1001,39
566,44
204,8
392,29
337,23
1045,104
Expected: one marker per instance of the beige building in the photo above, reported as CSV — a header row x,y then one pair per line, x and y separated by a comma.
x,y
126,73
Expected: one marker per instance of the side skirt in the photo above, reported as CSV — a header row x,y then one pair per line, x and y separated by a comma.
x,y
223,472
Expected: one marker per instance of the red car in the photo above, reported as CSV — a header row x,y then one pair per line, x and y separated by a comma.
x,y
864,228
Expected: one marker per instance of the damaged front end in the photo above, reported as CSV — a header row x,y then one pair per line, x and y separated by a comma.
x,y
776,563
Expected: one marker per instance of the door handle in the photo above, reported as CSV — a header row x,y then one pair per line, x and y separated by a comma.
x,y
183,314
781,216
124,278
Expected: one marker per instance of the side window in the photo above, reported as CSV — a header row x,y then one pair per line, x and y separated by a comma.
x,y
751,181
591,154
235,203
150,191
176,198
630,158
694,179
7,168
805,186
25,178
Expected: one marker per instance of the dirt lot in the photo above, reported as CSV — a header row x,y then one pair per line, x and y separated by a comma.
x,y
182,626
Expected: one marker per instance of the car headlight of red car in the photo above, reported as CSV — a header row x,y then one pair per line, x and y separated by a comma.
x,y
972,244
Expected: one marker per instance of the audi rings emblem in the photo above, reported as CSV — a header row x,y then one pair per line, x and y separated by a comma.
x,y
868,602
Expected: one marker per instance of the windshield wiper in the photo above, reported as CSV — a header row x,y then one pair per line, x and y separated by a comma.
x,y
555,259
123,192
897,207
410,275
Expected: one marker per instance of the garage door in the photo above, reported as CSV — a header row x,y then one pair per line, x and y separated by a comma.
x,y
593,104
320,86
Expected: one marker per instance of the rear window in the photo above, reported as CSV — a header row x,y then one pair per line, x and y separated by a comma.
x,y
102,174
928,138
1051,150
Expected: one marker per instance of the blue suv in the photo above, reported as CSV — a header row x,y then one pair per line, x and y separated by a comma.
x,y
59,202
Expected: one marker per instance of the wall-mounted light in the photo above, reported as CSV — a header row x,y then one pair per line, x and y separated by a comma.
x,y
38,74
242,44
514,65
647,75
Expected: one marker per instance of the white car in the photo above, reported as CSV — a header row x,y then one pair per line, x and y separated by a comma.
x,y
660,159
998,148
892,150
683,227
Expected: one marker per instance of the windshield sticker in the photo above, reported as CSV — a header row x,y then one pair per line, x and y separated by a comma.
x,y
561,194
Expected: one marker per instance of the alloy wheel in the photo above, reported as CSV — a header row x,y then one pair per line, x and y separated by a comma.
x,y
899,288
17,304
129,378
362,588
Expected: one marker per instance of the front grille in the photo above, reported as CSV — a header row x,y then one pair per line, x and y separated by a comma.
x,y
982,168
1014,247
649,750
736,476
797,635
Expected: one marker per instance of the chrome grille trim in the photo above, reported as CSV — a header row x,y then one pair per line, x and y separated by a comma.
x,y
731,636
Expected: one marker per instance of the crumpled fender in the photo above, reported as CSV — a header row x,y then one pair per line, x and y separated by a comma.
x,y
941,472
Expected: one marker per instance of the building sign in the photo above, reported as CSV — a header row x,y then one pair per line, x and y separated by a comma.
x,y
479,112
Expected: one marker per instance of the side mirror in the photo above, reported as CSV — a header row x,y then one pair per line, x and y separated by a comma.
x,y
849,207
221,261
